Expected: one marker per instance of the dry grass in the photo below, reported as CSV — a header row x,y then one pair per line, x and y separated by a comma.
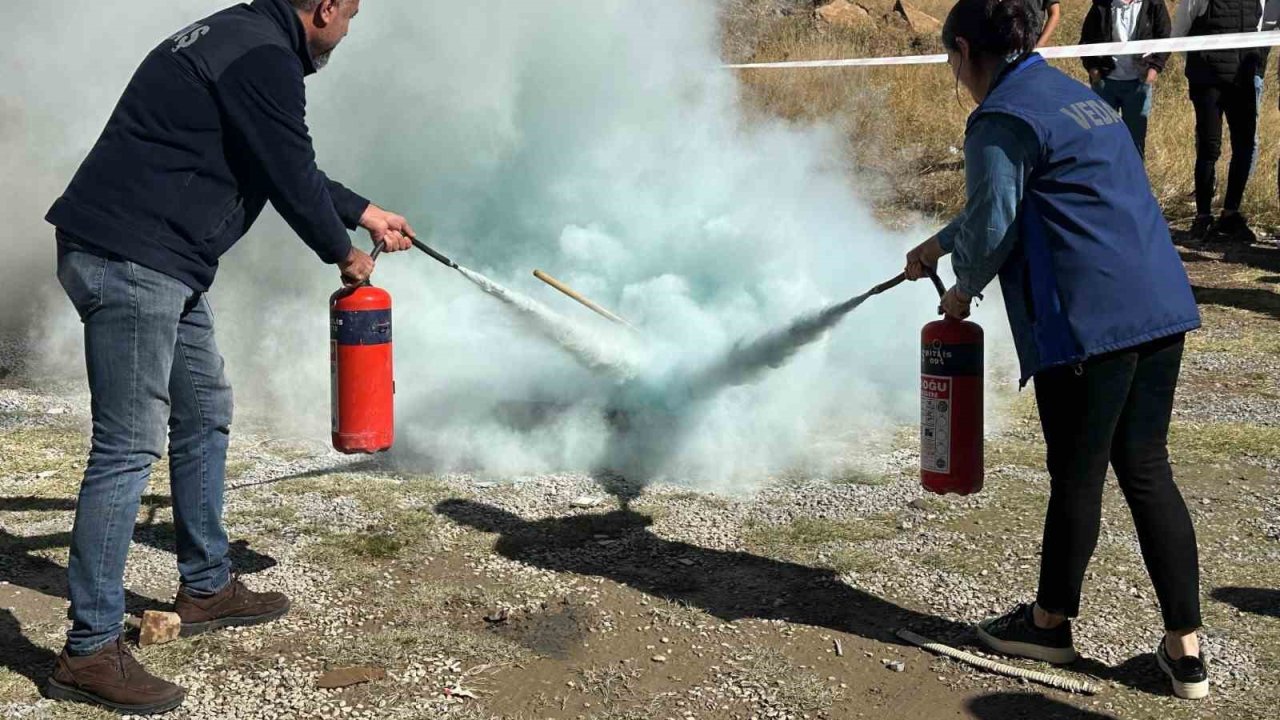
x,y
903,123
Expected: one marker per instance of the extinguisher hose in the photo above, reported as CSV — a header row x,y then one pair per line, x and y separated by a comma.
x,y
937,282
1054,681
382,246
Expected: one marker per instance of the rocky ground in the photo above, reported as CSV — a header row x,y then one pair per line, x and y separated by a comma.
x,y
540,597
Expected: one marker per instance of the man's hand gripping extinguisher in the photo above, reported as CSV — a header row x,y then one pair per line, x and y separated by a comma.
x,y
951,404
362,385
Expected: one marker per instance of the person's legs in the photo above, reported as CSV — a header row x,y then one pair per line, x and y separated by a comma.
x,y
210,597
1205,103
1132,99
1079,410
130,317
1165,533
1136,110
1241,107
1140,457
1109,91
199,431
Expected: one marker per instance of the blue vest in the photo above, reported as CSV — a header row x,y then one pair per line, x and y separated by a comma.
x,y
1095,269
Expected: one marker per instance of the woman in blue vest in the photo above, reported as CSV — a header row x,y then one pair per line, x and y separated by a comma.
x,y
1059,208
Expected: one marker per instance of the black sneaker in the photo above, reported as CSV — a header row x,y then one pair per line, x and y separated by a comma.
x,y
1015,633
1233,227
1188,674
1200,227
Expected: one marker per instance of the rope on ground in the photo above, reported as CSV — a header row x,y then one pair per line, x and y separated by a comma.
x,y
1055,681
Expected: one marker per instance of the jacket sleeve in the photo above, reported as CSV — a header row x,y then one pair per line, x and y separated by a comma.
x,y
1161,28
1185,15
349,204
263,101
1090,33
1000,153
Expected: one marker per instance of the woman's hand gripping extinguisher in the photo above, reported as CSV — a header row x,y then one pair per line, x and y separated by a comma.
x,y
362,382
950,404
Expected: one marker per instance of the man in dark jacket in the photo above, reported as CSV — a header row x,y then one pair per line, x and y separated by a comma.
x,y
1126,81
1223,82
211,128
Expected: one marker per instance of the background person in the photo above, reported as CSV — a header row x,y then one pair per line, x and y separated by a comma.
x,y
211,127
1126,82
1048,14
1098,301
1223,83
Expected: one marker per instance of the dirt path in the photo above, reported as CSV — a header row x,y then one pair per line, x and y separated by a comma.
x,y
487,600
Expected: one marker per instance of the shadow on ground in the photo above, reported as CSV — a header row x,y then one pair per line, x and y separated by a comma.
x,y
1031,706
1261,254
22,566
20,654
1259,300
727,584
1258,601
730,585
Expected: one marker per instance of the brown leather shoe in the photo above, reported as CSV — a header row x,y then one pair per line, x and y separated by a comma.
x,y
113,679
234,605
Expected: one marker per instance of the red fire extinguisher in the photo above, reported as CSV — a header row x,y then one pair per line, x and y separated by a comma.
x,y
362,382
951,405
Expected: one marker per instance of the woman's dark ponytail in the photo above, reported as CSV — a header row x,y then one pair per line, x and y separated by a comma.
x,y
998,28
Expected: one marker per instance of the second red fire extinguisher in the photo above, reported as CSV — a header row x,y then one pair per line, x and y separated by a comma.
x,y
951,409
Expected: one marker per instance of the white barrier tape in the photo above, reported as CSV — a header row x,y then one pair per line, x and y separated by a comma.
x,y
1233,41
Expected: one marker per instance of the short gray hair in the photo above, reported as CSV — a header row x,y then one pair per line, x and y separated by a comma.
x,y
306,5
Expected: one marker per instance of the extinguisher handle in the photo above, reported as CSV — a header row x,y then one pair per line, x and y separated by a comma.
x,y
937,282
377,250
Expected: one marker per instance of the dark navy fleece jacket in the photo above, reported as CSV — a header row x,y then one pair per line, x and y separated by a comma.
x,y
210,128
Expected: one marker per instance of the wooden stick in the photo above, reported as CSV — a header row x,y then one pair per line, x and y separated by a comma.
x,y
578,297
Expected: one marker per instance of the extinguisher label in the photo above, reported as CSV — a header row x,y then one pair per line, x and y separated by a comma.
x,y
951,360
935,424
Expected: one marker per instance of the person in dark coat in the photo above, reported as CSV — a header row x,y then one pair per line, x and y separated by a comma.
x,y
210,129
1127,82
1223,83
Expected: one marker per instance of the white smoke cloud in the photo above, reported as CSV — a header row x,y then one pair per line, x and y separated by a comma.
x,y
598,141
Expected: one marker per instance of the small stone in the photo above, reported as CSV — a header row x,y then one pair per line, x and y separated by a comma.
x,y
159,628
659,658
586,501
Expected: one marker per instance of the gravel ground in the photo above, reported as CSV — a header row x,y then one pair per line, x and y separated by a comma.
x,y
303,508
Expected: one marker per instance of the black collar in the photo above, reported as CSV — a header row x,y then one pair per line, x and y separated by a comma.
x,y
286,18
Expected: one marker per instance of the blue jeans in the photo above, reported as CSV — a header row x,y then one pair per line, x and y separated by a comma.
x,y
1132,99
152,362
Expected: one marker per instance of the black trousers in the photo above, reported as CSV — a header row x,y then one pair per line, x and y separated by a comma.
x,y
1239,103
1115,409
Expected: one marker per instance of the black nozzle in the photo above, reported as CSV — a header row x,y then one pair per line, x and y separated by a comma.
x,y
423,247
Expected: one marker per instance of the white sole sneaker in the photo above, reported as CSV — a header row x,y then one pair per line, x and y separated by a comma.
x,y
1184,690
1055,656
